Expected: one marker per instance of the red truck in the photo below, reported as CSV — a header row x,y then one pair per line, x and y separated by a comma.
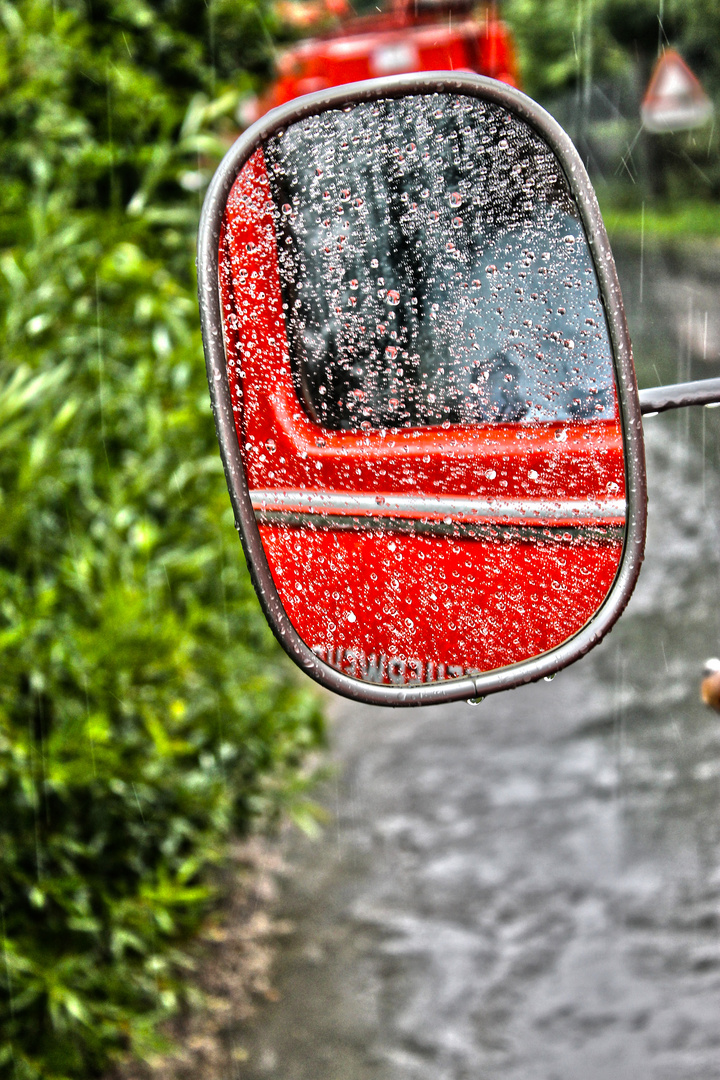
x,y
411,35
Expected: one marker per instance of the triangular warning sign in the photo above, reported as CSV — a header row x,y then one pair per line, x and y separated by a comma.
x,y
674,100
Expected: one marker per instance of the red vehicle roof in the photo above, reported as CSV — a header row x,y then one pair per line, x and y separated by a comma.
x,y
421,36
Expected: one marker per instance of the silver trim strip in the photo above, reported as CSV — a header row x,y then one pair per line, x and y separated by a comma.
x,y
487,531
436,506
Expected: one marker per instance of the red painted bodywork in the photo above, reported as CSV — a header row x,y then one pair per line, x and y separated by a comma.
x,y
406,38
385,604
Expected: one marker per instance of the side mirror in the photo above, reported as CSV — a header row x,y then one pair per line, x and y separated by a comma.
x,y
423,388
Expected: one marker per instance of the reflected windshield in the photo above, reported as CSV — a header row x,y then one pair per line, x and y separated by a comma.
x,y
435,270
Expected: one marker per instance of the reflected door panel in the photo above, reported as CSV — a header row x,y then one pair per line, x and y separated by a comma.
x,y
422,608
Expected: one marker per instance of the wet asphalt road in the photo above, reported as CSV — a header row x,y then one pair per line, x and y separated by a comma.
x,y
530,888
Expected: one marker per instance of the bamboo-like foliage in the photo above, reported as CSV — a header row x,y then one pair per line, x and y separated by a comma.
x,y
145,711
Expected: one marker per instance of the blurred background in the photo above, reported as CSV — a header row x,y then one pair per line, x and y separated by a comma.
x,y
529,887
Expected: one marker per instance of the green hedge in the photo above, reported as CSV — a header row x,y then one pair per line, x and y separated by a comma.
x,y
145,712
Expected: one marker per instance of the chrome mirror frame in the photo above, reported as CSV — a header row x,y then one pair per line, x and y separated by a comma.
x,y
528,111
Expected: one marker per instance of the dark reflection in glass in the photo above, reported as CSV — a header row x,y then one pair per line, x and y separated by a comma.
x,y
434,269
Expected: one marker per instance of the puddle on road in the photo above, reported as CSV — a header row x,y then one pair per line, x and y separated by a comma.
x,y
529,888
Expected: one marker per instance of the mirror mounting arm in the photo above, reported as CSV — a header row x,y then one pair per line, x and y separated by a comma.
x,y
661,398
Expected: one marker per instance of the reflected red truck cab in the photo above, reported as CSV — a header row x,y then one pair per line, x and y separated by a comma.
x,y
410,36
374,574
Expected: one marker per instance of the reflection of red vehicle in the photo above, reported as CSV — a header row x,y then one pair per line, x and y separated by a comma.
x,y
411,36
332,505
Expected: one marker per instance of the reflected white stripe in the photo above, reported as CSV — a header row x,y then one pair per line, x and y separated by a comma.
x,y
423,506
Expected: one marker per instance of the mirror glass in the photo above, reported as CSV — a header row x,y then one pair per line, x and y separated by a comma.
x,y
424,387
